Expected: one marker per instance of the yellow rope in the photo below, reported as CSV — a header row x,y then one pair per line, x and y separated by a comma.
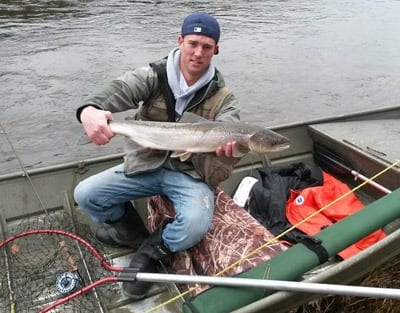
x,y
275,239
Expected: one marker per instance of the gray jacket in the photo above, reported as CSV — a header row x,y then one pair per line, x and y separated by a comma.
x,y
140,89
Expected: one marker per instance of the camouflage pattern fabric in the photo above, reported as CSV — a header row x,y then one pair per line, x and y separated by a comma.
x,y
233,238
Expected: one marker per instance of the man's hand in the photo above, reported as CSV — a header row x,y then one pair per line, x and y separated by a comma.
x,y
230,150
95,123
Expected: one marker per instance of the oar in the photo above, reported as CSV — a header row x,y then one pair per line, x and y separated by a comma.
x,y
336,164
317,288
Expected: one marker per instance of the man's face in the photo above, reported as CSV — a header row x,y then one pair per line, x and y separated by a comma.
x,y
196,53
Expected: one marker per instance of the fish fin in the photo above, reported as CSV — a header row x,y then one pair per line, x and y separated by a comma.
x,y
182,155
240,151
189,117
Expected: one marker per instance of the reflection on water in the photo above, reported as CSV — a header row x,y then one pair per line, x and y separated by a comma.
x,y
285,60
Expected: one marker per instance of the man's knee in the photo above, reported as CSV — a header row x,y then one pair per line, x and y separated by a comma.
x,y
85,196
184,233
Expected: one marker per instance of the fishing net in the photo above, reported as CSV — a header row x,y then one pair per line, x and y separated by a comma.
x,y
39,268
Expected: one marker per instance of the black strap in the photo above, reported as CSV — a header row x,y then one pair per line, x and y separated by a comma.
x,y
161,71
315,246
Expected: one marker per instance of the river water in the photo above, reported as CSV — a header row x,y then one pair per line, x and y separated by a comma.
x,y
285,61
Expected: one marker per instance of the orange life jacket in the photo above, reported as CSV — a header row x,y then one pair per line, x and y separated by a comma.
x,y
303,203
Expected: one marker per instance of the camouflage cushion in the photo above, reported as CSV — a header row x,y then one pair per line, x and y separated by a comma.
x,y
229,248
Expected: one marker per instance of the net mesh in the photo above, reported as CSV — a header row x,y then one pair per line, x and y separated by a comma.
x,y
35,268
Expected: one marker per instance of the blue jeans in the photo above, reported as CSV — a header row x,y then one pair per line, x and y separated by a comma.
x,y
103,196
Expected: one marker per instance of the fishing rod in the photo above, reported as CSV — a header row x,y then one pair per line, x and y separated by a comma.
x,y
21,165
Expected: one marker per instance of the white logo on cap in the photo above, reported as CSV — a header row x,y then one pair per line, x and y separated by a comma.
x,y
197,29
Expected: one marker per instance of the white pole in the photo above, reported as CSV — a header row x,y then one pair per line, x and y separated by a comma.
x,y
371,182
317,288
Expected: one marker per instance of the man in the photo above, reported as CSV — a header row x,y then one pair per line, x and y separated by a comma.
x,y
184,81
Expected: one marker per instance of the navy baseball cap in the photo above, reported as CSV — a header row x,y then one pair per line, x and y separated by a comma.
x,y
201,23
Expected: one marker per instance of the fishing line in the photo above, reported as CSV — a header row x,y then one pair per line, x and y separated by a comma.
x,y
120,273
25,172
268,243
276,238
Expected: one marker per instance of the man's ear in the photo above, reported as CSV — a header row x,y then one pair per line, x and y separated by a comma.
x,y
216,51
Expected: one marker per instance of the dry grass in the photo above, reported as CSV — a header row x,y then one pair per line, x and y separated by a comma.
x,y
388,276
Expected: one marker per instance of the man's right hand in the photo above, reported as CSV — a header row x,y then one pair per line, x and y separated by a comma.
x,y
95,123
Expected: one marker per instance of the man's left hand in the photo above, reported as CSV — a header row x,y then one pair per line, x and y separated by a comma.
x,y
230,150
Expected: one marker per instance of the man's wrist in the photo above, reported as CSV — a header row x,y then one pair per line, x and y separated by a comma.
x,y
82,108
